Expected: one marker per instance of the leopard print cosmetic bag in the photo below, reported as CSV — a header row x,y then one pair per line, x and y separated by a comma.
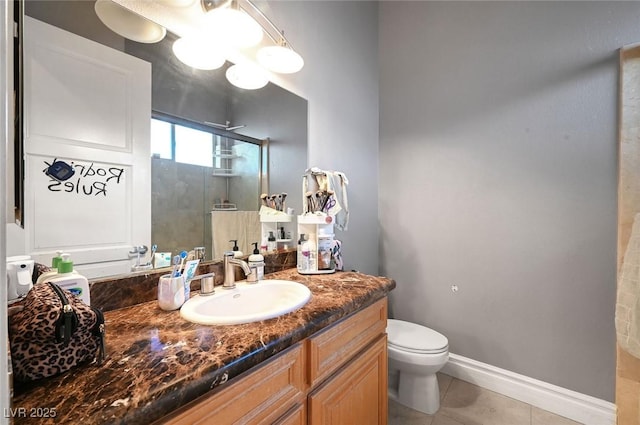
x,y
53,332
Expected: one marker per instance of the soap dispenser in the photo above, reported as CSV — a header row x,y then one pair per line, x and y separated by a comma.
x,y
67,278
236,250
19,272
256,262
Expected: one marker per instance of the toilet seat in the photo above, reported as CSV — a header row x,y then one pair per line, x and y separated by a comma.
x,y
415,338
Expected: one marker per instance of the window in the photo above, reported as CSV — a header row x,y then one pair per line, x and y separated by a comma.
x,y
193,146
181,143
161,139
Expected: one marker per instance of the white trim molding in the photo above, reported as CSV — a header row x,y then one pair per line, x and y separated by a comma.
x,y
579,407
6,137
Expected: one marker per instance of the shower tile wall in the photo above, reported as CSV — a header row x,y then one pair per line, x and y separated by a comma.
x,y
180,205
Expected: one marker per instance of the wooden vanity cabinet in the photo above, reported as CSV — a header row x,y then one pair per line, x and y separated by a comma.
x,y
347,370
335,377
355,395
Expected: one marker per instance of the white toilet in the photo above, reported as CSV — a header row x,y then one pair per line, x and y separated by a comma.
x,y
415,354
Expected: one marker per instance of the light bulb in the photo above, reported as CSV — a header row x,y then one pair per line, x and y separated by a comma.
x,y
240,29
280,59
199,53
247,76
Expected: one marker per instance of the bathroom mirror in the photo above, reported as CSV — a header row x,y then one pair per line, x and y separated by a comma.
x,y
188,96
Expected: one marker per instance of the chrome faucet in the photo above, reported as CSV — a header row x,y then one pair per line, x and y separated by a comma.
x,y
229,273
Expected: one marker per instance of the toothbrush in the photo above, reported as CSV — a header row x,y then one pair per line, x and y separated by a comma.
x,y
183,255
154,248
176,262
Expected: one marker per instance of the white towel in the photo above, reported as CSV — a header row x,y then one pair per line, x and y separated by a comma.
x,y
230,225
628,296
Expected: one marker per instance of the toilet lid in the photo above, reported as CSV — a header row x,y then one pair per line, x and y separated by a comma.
x,y
415,338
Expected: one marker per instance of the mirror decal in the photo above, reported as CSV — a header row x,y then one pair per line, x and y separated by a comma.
x,y
92,180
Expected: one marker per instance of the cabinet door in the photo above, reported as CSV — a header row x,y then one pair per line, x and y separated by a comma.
x,y
357,394
330,348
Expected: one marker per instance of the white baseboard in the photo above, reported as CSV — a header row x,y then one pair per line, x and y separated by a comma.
x,y
561,401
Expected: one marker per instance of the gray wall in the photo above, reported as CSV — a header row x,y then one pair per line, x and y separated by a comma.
x,y
281,116
338,41
498,173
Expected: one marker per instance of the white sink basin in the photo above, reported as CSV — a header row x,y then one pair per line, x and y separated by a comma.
x,y
246,303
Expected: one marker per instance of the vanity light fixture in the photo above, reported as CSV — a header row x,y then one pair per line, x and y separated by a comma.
x,y
279,57
210,32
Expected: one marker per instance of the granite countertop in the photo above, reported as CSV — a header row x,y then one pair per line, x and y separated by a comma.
x,y
157,361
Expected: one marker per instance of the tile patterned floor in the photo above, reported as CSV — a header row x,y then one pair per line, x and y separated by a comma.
x,y
462,403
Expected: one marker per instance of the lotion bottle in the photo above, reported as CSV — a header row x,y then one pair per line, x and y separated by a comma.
x,y
72,281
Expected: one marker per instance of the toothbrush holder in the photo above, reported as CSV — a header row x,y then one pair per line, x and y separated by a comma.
x,y
170,292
